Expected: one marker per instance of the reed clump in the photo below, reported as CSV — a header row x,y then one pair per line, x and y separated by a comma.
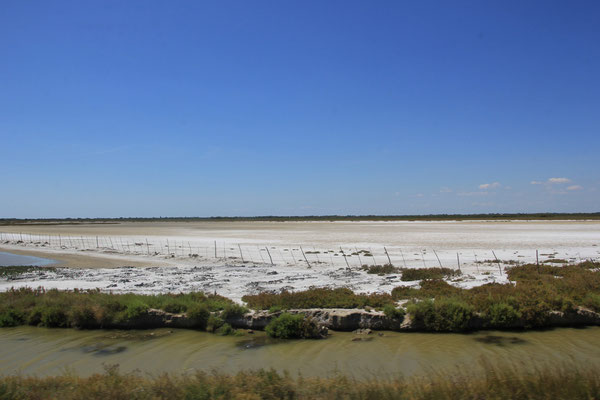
x,y
385,269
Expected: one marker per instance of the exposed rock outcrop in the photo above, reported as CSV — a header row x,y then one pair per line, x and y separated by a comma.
x,y
337,319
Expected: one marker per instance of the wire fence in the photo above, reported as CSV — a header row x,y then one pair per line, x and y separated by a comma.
x,y
345,256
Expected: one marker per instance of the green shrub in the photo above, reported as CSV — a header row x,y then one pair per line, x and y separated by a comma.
x,y
11,317
199,314
293,326
233,311
35,316
392,312
214,323
83,317
286,326
136,309
443,315
592,301
502,315
54,317
385,269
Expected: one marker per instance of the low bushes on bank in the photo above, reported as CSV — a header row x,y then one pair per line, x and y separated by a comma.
x,y
317,298
442,315
92,309
536,294
294,326
527,302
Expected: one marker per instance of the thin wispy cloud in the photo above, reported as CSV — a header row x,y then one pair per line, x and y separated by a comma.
x,y
552,181
575,187
559,180
489,185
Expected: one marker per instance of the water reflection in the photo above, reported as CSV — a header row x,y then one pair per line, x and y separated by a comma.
x,y
10,259
500,340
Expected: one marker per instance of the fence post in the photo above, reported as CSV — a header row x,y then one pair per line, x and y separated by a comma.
x,y
345,259
241,255
305,259
498,261
269,253
388,256
358,254
458,262
293,257
436,256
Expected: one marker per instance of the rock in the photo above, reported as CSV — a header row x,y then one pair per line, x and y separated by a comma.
x,y
366,331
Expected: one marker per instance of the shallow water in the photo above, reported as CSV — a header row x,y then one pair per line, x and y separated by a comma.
x,y
42,351
9,259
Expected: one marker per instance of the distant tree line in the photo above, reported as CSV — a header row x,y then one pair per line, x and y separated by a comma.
x,y
283,218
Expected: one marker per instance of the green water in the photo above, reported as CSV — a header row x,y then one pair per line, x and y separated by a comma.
x,y
41,351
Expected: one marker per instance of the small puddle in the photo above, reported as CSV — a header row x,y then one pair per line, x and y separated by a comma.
x,y
10,259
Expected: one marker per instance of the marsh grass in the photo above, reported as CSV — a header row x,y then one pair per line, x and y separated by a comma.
x,y
419,274
526,302
316,298
484,382
536,291
385,269
94,309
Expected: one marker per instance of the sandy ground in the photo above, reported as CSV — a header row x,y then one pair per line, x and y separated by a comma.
x,y
235,258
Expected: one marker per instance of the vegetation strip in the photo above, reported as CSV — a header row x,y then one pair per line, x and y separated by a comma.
x,y
540,296
506,382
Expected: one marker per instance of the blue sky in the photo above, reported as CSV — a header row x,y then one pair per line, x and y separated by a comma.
x,y
193,108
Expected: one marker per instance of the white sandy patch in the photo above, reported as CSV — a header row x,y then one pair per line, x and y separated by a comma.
x,y
234,259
